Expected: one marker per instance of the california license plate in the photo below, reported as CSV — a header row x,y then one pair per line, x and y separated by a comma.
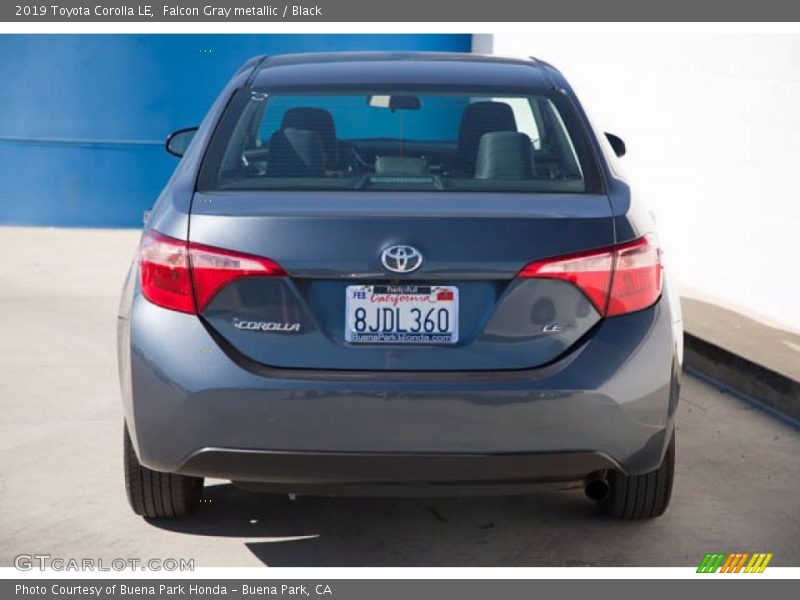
x,y
401,314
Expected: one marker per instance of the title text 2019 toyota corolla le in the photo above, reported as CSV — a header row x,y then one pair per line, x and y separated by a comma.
x,y
398,274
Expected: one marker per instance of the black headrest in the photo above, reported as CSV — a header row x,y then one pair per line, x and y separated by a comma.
x,y
504,155
296,153
319,120
479,118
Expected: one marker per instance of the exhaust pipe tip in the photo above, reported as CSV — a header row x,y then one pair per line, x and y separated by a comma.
x,y
597,488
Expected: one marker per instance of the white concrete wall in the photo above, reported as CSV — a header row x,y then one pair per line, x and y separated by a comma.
x,y
712,125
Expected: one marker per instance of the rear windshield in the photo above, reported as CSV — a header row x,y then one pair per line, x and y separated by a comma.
x,y
399,141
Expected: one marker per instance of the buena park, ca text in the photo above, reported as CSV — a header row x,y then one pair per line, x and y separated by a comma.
x,y
173,590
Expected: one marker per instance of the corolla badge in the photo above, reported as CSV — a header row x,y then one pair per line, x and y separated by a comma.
x,y
268,326
401,259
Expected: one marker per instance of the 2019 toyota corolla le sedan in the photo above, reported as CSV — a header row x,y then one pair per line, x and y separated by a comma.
x,y
399,274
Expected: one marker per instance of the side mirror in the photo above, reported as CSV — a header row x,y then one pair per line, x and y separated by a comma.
x,y
178,141
617,144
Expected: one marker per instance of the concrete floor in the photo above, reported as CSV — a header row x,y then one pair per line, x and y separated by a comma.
x,y
61,487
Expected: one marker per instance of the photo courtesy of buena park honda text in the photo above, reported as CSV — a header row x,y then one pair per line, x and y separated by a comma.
x,y
363,299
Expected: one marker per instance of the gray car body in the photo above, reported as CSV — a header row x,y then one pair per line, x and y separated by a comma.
x,y
199,400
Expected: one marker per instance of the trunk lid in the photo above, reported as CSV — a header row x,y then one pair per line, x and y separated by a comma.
x,y
473,242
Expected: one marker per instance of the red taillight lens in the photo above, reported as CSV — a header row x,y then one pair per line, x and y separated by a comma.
x,y
617,280
637,277
164,271
185,277
213,269
590,272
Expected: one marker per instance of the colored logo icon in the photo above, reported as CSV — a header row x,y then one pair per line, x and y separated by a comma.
x,y
738,562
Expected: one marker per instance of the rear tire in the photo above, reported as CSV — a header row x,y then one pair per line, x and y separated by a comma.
x,y
636,497
158,495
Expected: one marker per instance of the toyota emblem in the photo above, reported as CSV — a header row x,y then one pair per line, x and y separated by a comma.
x,y
401,259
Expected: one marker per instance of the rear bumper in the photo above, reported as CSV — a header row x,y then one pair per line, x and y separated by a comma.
x,y
342,473
193,409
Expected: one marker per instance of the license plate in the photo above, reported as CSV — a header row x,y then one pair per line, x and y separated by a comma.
x,y
401,314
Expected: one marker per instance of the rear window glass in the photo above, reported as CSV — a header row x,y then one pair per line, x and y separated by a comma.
x,y
399,141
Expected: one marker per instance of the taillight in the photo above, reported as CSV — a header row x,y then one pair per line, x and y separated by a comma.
x,y
164,272
637,277
213,269
186,277
617,280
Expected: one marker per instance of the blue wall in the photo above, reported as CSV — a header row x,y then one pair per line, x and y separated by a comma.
x,y
83,117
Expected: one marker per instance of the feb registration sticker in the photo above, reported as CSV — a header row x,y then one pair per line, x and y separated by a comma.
x,y
401,314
